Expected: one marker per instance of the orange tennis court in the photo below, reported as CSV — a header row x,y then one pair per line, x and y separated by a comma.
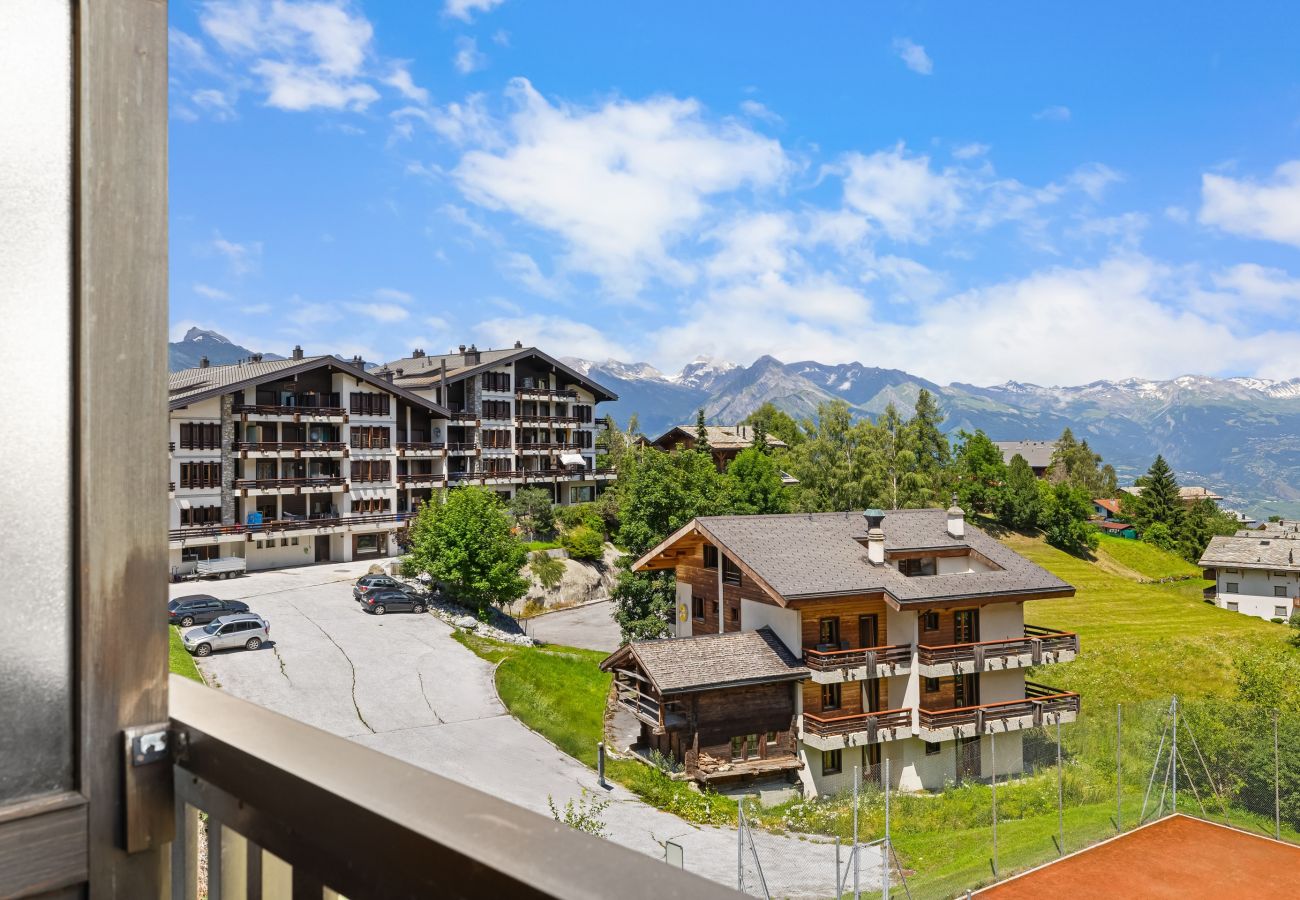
x,y
1177,856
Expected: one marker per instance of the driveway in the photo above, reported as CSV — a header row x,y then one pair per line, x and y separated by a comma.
x,y
400,684
590,626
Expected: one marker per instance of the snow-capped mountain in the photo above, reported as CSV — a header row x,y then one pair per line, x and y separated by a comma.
x,y
200,342
703,372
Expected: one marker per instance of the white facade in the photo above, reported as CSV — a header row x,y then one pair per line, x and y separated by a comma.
x,y
1263,593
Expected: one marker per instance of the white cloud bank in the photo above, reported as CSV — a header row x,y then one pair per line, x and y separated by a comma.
x,y
1268,210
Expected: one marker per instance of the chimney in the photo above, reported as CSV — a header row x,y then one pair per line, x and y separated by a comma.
x,y
875,536
358,362
461,348
256,357
956,520
418,353
471,356
297,351
203,362
519,345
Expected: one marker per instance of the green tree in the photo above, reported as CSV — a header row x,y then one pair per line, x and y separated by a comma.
x,y
1202,521
1019,504
547,569
1063,515
777,422
583,543
980,472
1269,677
753,484
891,464
760,438
830,462
701,433
1159,502
644,604
533,510
1075,463
933,453
466,544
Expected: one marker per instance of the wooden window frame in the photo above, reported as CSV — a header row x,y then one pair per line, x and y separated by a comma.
x,y
832,697
928,617
832,762
710,551
731,573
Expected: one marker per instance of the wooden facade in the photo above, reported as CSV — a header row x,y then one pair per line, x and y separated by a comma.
x,y
704,591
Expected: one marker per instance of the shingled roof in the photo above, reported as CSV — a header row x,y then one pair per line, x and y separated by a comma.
x,y
721,437
709,661
1037,453
1255,550
425,371
824,554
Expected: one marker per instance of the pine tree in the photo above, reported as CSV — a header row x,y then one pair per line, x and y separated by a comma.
x,y
933,455
1018,501
1159,502
701,433
980,472
829,462
760,437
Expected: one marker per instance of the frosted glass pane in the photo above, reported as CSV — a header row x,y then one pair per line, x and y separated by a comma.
x,y
36,684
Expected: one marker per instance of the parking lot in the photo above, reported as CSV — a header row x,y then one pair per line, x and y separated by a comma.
x,y
400,684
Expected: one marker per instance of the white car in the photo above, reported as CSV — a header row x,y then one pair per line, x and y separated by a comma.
x,y
247,630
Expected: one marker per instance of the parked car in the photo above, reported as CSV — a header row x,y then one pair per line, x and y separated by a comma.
x,y
198,609
247,630
367,583
382,600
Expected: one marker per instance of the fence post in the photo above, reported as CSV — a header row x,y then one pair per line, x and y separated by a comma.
x,y
884,875
1174,754
857,773
1277,790
1119,762
600,766
1060,789
837,864
740,846
993,758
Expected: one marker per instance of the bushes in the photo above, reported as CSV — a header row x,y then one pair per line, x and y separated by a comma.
x,y
584,543
548,570
581,514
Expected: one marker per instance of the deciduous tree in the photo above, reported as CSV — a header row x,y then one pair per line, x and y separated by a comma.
x,y
466,544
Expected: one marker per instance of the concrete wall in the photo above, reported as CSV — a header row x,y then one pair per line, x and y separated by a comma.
x,y
1002,620
1002,685
785,622
1255,591
272,555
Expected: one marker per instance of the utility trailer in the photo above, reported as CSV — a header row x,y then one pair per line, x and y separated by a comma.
x,y
221,567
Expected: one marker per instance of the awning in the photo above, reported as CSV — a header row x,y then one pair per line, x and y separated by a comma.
x,y
573,459
182,504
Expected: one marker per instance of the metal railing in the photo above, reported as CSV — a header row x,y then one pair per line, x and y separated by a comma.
x,y
418,446
304,523
1036,640
546,393
421,478
195,484
1039,700
278,409
869,657
287,446
522,418
870,723
316,481
462,447
542,445
291,804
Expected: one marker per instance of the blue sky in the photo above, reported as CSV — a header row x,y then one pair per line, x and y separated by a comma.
x,y
1026,191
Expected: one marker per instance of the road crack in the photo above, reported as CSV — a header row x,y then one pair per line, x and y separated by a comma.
x,y
355,706
425,695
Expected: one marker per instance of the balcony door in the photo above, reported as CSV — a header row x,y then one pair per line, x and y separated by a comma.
x,y
966,691
869,631
828,634
966,626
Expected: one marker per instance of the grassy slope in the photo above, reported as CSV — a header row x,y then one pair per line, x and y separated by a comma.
x,y
179,660
1145,560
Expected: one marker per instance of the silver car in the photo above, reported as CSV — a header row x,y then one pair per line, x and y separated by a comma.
x,y
246,630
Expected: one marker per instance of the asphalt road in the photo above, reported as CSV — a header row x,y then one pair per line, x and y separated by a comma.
x,y
401,685
590,627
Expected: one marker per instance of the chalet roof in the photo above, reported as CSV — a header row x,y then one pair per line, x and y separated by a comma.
x,y
1189,494
824,554
201,382
1037,453
1258,550
721,437
422,372
1109,504
708,661
1113,526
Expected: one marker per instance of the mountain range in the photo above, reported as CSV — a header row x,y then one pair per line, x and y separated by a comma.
x,y
1237,436
198,343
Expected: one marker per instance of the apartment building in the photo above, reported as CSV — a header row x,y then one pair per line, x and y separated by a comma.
x,y
806,645
299,460
518,418
1255,572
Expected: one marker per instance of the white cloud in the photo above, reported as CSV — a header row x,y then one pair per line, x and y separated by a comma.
x,y
461,217
560,336
521,267
206,290
901,193
243,258
465,10
393,295
1123,230
296,88
386,313
501,37
757,244
1267,210
400,78
1093,179
215,102
468,58
970,151
620,183
1177,214
1053,114
756,110
913,56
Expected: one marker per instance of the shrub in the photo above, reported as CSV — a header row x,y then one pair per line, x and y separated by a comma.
x,y
584,543
548,570
580,514
587,815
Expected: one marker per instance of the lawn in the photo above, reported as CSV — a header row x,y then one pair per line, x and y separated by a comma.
x,y
532,546
1143,560
178,658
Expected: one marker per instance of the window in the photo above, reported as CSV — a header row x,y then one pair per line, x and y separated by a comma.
x,y
771,738
930,621
914,567
201,515
1279,612
830,696
495,381
730,572
496,409
697,607
372,470
200,436
1279,590
1230,587
367,543
932,748
737,748
294,542
369,404
194,554
732,612
200,475
932,685
284,542
832,764
828,633
370,437
710,556
1232,606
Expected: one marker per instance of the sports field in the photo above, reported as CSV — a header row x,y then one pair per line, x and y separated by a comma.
x,y
1177,856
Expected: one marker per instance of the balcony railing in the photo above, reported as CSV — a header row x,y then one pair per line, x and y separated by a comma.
x,y
197,484
279,409
864,657
420,446
257,484
294,523
552,447
288,446
421,478
284,799
1040,701
1033,645
870,723
1211,592
524,418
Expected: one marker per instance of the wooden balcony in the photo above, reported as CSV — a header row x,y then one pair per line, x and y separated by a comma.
x,y
543,447
834,666
463,448
838,732
312,814
418,478
293,449
290,485
208,534
197,484
294,411
528,393
1038,646
1041,705
525,420
420,448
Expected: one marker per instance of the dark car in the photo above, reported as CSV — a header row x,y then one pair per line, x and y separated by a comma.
x,y
197,609
367,583
382,600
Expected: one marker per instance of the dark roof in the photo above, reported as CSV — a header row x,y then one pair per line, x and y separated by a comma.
x,y
1112,525
1037,453
192,385
823,554
708,661
422,372
1258,550
721,437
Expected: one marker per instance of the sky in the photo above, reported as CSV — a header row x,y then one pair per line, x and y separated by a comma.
x,y
1047,193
